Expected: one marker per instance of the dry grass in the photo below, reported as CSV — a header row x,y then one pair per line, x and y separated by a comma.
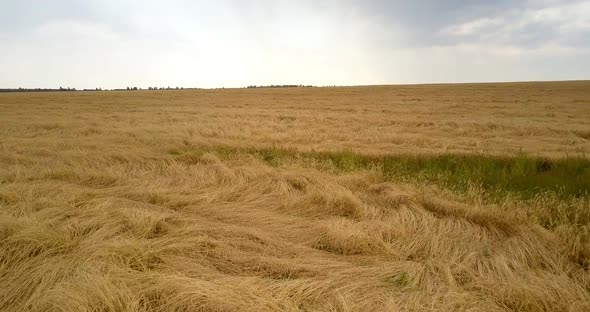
x,y
154,201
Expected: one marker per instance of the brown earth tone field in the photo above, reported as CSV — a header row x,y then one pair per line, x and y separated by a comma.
x,y
282,200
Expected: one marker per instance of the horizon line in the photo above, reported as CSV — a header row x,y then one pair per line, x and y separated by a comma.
x,y
252,86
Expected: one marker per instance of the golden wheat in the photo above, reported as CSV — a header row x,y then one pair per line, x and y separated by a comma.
x,y
99,213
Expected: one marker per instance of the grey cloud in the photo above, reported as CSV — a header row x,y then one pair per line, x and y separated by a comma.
x,y
422,20
425,22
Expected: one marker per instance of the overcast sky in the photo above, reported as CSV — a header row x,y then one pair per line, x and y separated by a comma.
x,y
234,43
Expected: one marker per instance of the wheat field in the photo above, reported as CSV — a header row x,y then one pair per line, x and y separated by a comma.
x,y
170,200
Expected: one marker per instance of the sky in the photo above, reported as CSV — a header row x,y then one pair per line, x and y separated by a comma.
x,y
236,43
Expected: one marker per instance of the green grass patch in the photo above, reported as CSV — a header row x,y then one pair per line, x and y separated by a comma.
x,y
275,156
341,161
524,175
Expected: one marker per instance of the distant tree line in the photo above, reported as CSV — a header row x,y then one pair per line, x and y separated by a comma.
x,y
153,88
168,88
36,89
95,89
61,89
281,86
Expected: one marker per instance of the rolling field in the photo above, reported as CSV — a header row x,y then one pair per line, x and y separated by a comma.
x,y
386,198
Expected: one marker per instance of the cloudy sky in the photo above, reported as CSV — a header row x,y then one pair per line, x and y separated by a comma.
x,y
234,43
